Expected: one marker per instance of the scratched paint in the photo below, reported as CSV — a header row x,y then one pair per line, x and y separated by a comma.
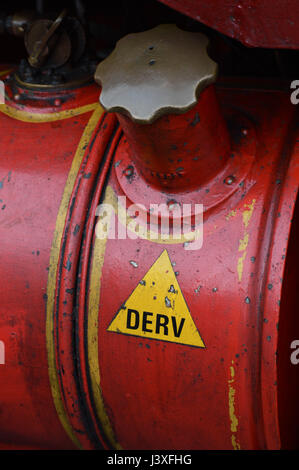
x,y
142,231
243,242
231,406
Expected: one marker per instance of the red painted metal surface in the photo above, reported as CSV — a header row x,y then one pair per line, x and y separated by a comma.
x,y
61,286
254,23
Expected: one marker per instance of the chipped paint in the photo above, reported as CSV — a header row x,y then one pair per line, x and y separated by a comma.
x,y
231,214
231,406
141,317
34,117
243,242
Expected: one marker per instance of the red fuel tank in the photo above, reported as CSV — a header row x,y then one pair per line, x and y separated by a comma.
x,y
115,332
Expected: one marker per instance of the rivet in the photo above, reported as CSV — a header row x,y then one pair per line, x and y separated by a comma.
x,y
57,102
17,97
244,131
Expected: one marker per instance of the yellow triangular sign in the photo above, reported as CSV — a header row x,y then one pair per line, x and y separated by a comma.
x,y
156,309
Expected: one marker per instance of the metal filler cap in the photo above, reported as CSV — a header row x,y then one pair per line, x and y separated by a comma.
x,y
156,72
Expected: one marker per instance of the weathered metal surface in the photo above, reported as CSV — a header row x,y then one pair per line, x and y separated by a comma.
x,y
18,22
256,23
232,287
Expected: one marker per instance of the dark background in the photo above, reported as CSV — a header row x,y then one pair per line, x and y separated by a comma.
x,y
107,21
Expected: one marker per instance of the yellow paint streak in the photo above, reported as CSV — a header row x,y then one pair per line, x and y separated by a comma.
x,y
231,406
93,330
235,444
243,243
53,263
26,116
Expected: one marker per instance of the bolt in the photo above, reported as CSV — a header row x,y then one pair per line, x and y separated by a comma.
x,y
229,180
